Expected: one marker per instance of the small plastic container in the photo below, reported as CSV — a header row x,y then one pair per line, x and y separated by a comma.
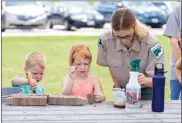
x,y
119,98
7,91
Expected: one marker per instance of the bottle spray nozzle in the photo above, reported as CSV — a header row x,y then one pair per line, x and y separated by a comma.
x,y
135,65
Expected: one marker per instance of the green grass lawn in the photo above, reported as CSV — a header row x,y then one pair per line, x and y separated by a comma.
x,y
56,50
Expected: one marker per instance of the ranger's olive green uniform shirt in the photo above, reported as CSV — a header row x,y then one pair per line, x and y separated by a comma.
x,y
115,55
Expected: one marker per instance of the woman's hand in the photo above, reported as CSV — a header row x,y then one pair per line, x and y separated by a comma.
x,y
144,81
141,79
72,72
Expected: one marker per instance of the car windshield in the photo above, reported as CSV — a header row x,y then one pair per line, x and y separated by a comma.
x,y
11,3
75,10
75,7
136,4
159,3
106,7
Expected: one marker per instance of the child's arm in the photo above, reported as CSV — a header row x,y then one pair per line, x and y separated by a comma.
x,y
19,81
98,92
22,81
178,69
68,81
67,85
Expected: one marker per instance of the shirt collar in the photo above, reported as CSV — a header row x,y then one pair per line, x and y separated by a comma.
x,y
119,46
136,45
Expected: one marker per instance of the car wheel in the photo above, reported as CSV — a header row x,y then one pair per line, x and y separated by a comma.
x,y
67,25
49,24
2,29
99,26
159,25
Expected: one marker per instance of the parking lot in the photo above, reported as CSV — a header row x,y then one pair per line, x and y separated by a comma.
x,y
59,31
46,16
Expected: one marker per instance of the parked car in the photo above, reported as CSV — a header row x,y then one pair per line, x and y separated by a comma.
x,y
75,15
56,16
163,6
106,9
2,21
24,14
147,13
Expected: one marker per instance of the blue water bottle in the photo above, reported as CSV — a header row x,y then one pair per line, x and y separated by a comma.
x,y
158,88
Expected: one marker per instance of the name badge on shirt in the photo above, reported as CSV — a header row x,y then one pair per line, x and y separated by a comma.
x,y
157,50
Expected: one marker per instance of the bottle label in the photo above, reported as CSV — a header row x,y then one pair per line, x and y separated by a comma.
x,y
132,97
119,97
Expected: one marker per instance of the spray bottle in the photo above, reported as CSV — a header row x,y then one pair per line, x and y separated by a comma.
x,y
133,88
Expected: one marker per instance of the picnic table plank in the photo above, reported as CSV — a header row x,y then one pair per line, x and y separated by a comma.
x,y
106,105
95,117
85,112
105,121
100,112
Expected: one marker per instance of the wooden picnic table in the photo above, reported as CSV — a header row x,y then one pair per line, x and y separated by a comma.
x,y
100,112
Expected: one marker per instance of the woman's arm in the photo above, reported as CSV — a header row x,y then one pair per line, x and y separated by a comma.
x,y
98,91
178,69
178,64
19,81
152,59
175,49
114,80
67,85
144,81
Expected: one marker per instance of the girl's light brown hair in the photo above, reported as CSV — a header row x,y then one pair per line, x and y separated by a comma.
x,y
123,18
79,51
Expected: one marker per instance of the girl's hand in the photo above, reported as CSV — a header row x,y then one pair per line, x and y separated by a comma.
x,y
99,97
72,72
33,84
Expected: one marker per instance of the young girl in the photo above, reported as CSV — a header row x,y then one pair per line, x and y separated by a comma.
x,y
79,82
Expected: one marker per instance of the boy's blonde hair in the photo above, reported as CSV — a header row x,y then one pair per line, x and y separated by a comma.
x,y
35,58
79,51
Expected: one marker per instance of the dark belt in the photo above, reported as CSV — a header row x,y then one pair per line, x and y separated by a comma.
x,y
120,87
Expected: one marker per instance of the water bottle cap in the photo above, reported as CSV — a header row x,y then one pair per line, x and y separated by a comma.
x,y
159,67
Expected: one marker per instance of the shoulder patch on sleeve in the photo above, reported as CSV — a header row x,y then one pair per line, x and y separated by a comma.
x,y
157,50
100,44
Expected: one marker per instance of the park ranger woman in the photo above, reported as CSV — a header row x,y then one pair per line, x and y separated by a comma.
x,y
128,40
